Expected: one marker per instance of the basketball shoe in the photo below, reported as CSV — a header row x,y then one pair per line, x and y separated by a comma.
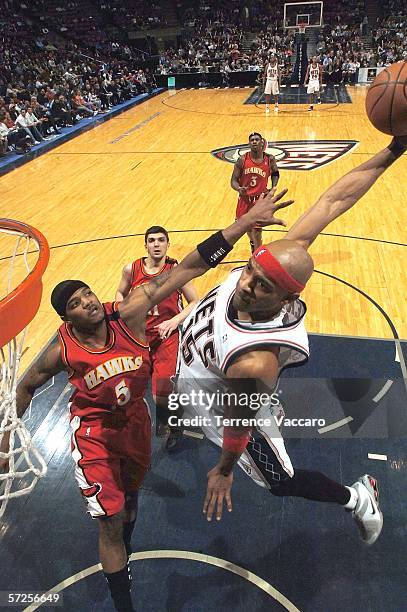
x,y
367,513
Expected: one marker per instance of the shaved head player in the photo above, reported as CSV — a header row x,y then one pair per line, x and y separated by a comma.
x,y
240,337
103,348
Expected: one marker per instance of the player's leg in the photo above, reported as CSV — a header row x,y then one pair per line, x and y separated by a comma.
x,y
267,93
97,472
268,457
113,558
276,92
136,448
164,368
311,100
243,206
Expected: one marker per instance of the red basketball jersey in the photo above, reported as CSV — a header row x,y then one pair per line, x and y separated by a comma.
x,y
110,379
168,308
254,175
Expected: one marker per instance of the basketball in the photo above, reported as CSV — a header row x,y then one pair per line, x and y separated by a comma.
x,y
386,100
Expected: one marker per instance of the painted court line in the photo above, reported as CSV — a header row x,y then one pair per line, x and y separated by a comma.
x,y
133,129
193,434
336,425
180,554
383,391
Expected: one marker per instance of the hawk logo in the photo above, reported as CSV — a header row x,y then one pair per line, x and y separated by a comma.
x,y
294,154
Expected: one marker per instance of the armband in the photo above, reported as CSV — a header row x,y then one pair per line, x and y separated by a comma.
x,y
235,441
214,249
396,148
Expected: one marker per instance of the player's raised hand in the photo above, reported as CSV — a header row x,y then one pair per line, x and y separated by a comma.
x,y
219,488
263,212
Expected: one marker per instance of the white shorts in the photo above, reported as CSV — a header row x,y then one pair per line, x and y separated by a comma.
x,y
271,87
313,87
266,458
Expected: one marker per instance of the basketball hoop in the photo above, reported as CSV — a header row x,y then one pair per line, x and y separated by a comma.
x,y
22,299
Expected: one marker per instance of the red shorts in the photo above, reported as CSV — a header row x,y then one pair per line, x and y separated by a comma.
x,y
163,355
112,455
244,204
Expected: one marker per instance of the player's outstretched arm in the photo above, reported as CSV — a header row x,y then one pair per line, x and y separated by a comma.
x,y
125,284
208,254
344,194
47,365
247,372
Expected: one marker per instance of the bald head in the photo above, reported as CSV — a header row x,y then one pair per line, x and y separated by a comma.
x,y
293,258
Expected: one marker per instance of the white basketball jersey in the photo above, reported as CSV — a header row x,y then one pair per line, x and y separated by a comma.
x,y
272,72
314,73
212,337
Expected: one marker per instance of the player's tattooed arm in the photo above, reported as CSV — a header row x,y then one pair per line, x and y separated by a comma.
x,y
125,283
135,306
344,194
44,368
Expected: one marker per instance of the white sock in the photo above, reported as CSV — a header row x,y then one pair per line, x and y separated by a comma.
x,y
351,505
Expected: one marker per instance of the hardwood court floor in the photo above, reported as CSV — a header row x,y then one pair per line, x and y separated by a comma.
x,y
152,165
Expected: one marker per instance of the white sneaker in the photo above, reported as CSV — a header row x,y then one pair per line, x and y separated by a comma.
x,y
367,513
267,109
276,109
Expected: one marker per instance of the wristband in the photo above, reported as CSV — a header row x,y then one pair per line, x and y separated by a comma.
x,y
396,148
214,249
235,441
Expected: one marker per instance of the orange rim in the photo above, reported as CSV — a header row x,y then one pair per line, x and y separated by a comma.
x,y
20,306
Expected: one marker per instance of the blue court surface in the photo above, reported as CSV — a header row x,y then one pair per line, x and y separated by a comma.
x,y
297,94
269,554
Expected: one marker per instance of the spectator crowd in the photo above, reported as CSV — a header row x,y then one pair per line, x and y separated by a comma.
x,y
62,62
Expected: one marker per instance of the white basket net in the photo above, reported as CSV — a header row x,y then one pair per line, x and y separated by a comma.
x,y
21,465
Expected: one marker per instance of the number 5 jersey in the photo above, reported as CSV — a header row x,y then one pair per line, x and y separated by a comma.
x,y
112,378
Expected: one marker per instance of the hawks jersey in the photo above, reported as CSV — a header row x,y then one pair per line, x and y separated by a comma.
x,y
168,308
314,72
255,176
108,379
272,72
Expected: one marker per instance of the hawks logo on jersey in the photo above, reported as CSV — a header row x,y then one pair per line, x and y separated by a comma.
x,y
294,154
